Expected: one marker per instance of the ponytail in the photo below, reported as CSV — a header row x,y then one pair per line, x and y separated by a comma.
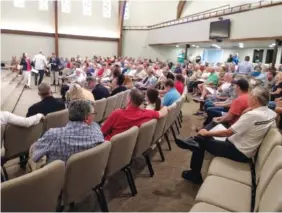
x,y
158,104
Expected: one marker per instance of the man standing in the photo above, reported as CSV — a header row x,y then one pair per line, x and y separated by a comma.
x,y
48,103
40,62
55,62
81,133
245,67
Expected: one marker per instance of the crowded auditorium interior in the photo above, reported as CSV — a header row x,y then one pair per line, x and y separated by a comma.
x,y
141,106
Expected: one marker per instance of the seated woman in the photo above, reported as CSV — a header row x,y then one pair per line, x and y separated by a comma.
x,y
277,87
76,92
153,100
118,85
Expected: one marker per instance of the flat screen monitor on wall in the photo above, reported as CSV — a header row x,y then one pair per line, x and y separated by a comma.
x,y
220,29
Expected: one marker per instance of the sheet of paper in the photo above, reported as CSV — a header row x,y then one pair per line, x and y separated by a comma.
x,y
219,127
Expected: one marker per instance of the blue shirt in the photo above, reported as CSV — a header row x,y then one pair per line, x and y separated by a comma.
x,y
62,143
170,97
245,68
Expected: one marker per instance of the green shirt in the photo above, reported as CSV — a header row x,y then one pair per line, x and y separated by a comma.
x,y
213,78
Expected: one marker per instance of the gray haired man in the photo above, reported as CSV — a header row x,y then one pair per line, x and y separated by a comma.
x,y
81,133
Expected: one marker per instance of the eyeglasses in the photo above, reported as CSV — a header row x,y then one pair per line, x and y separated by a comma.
x,y
93,113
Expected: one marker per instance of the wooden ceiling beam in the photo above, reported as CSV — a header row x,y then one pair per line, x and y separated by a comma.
x,y
120,25
180,8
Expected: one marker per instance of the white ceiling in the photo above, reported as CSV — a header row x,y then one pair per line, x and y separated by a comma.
x,y
232,45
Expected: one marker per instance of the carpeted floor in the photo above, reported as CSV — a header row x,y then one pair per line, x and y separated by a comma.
x,y
166,191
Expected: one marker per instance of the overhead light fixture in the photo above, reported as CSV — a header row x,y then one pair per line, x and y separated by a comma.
x,y
216,46
271,46
177,46
241,45
193,45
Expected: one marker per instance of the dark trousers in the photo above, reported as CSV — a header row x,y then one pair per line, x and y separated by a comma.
x,y
214,112
218,148
41,75
64,90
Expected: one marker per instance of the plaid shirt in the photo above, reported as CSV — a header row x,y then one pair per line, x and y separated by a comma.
x,y
61,143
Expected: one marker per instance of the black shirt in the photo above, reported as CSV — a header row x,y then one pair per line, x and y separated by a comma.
x,y
170,76
275,87
118,90
100,92
47,105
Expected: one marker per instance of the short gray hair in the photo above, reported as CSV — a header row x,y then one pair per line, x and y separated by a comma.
x,y
261,94
80,109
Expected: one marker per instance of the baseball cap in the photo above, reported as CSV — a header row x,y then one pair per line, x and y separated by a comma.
x,y
242,83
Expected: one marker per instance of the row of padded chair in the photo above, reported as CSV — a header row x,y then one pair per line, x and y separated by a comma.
x,y
87,170
234,186
14,135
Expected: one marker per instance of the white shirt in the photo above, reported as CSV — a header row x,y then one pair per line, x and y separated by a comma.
x,y
142,74
39,61
10,118
251,128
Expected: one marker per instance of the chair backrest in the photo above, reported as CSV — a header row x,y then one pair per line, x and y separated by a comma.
x,y
56,119
272,139
271,200
271,166
178,107
34,192
3,128
84,171
119,100
159,131
125,98
145,137
170,116
18,140
110,106
100,107
121,152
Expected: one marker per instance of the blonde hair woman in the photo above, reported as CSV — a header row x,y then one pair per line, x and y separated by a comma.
x,y
76,92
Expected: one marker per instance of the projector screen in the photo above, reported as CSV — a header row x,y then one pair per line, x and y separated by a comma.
x,y
220,29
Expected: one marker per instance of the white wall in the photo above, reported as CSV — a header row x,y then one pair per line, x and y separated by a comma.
x,y
15,45
95,25
144,13
251,24
73,47
28,18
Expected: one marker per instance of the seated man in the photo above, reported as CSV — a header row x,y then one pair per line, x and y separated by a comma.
x,y
237,107
81,133
122,119
149,82
48,103
99,91
171,94
243,137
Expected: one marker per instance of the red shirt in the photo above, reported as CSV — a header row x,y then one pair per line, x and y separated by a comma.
x,y
238,105
179,86
123,119
100,72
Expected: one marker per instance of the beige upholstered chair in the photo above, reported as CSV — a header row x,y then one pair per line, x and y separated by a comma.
x,y
170,120
84,172
56,119
271,200
34,192
159,132
120,157
110,106
125,98
144,141
17,140
119,100
100,107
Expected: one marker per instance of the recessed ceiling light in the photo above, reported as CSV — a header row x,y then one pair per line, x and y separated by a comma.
x,y
193,45
177,45
215,45
241,45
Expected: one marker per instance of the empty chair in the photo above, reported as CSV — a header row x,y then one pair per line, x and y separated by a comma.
x,y
120,157
100,107
110,106
34,192
159,132
56,119
144,141
119,100
170,120
84,172
17,140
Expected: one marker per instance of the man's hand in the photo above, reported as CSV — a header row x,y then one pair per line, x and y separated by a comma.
x,y
217,119
203,132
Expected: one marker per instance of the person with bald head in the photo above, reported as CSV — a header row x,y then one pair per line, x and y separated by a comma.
x,y
48,103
